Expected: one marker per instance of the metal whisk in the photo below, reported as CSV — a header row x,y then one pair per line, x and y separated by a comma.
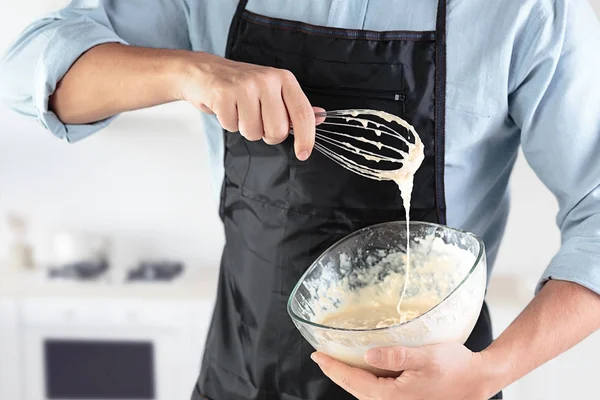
x,y
370,143
376,145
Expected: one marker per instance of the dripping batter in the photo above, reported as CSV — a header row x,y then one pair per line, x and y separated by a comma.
x,y
411,160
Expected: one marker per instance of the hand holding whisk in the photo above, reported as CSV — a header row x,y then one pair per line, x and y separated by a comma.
x,y
370,143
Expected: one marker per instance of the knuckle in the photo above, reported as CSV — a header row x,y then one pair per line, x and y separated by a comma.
x,y
276,132
227,122
219,94
287,75
284,131
229,126
271,138
280,131
225,108
269,77
276,124
251,135
250,87
274,136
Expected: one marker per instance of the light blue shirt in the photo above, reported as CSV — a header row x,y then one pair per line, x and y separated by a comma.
x,y
520,72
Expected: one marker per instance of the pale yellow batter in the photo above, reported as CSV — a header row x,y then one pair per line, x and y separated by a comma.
x,y
363,303
372,317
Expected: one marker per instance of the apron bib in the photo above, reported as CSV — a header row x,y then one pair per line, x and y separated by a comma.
x,y
280,214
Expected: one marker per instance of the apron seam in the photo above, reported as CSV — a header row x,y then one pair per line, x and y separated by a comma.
x,y
254,46
245,193
350,34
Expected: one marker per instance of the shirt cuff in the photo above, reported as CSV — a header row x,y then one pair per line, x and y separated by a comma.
x,y
578,261
64,47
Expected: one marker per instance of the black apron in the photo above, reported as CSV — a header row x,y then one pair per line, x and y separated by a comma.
x,y
280,214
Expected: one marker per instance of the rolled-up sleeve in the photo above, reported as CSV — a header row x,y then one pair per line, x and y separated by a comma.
x,y
32,67
555,101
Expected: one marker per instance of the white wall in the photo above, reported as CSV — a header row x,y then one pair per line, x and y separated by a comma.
x,y
143,181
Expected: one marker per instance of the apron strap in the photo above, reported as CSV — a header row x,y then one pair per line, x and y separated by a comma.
x,y
241,7
441,20
440,109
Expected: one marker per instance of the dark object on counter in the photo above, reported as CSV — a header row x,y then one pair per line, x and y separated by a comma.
x,y
81,271
155,271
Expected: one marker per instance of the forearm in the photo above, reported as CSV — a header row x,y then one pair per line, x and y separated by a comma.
x,y
559,317
113,78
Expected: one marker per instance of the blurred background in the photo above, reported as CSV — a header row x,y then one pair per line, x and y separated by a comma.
x,y
109,251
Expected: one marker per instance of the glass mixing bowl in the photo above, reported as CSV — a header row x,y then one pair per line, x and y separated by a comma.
x,y
448,272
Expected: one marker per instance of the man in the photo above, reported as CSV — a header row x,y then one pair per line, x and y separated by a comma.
x,y
475,78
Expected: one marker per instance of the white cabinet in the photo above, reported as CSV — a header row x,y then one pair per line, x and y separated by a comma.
x,y
9,350
173,331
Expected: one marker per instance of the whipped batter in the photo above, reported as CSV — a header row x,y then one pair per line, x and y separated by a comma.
x,y
367,298
361,300
403,177
370,317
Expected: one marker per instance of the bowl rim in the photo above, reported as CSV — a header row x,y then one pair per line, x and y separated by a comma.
x,y
297,318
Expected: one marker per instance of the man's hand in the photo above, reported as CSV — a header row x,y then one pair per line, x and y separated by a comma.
x,y
259,102
560,316
440,372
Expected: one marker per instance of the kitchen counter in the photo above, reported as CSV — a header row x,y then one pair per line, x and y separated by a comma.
x,y
200,286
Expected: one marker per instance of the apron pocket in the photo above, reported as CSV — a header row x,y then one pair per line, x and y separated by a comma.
x,y
321,187
394,95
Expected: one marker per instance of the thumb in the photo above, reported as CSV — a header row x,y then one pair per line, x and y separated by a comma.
x,y
397,358
319,119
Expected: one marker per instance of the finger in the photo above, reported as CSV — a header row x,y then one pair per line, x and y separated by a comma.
x,y
250,118
397,358
275,117
301,115
319,119
357,382
227,115
205,109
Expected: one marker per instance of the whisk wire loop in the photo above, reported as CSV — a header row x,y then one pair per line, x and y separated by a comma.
x,y
360,142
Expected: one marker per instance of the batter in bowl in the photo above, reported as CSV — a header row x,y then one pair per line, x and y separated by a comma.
x,y
364,300
375,316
